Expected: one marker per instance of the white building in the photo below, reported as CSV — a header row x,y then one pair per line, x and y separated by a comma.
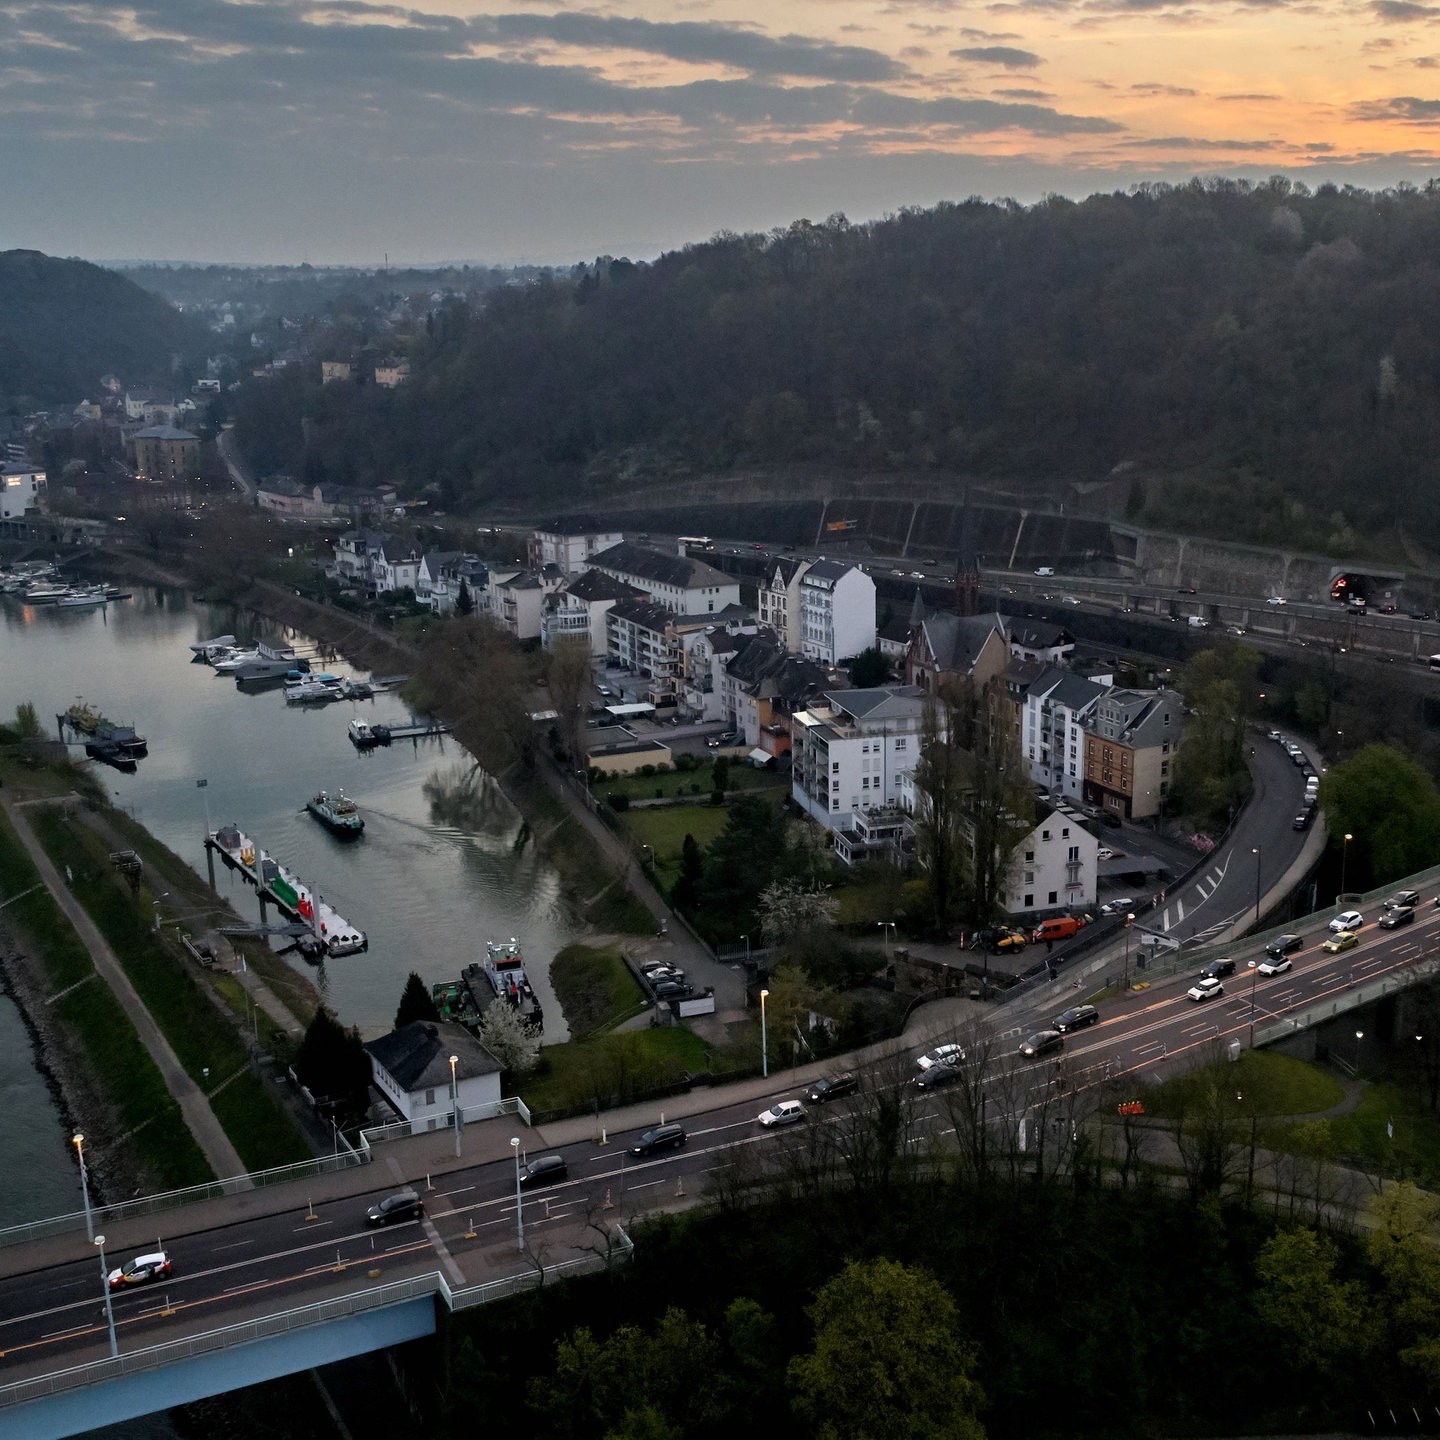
x,y
22,487
1055,710
850,753
569,551
837,612
579,609
1055,866
520,601
682,585
411,1068
779,599
395,566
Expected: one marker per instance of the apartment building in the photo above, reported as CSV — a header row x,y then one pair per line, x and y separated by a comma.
x,y
1130,746
837,612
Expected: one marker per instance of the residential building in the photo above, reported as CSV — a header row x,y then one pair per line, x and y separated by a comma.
x,y
764,687
396,565
519,601
355,555
837,611
333,370
779,599
946,648
280,495
466,570
682,585
569,549
580,607
166,454
707,654
850,752
1055,707
1130,746
392,373
1055,865
411,1067
22,488
1036,640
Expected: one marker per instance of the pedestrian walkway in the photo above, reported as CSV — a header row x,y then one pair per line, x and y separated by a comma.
x,y
208,1133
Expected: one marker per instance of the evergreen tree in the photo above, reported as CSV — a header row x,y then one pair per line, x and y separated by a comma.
x,y
685,893
333,1066
415,1003
464,601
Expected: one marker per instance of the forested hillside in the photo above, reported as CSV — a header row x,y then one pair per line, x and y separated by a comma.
x,y
1259,360
65,323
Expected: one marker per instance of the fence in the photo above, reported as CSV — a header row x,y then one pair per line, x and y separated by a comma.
x,y
469,1114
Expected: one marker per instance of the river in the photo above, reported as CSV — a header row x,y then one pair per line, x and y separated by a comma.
x,y
429,881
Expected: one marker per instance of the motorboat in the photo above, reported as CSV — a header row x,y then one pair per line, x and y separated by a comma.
x,y
232,659
337,813
312,692
88,595
203,647
44,592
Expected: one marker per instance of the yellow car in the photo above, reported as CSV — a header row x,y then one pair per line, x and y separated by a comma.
x,y
1342,940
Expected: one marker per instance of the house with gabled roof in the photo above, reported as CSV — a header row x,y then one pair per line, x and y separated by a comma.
x,y
946,648
571,546
1130,746
578,609
1055,708
764,686
684,586
837,611
411,1068
396,565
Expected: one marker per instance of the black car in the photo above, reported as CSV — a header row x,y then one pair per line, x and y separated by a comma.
x,y
403,1205
672,990
1076,1018
1042,1042
1302,820
1284,944
544,1170
1397,916
832,1087
1403,898
1217,969
662,1137
937,1076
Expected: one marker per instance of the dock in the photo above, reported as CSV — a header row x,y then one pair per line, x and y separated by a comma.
x,y
284,889
364,735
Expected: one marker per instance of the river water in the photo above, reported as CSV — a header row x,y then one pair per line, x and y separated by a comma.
x,y
429,881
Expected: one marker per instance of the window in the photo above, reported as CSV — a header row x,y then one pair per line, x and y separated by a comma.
x,y
1029,857
1065,833
1053,900
1029,902
835,767
430,1097
1044,834
899,744
1029,877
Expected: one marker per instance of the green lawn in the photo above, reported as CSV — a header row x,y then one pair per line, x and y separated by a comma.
x,y
742,776
613,1069
1271,1084
595,988
1412,1151
664,831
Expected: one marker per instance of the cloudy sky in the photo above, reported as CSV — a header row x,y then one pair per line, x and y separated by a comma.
x,y
280,130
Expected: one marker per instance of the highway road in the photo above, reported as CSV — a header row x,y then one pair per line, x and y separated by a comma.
x,y
230,1269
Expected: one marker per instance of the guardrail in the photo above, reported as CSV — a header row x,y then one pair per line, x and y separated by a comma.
x,y
396,1292
469,1115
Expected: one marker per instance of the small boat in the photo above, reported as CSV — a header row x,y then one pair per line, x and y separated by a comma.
x,y
356,690
203,647
123,737
263,663
44,592
337,813
110,753
312,692
89,595
364,736
503,969
228,659
84,718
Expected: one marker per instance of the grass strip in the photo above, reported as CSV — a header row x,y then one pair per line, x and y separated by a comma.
x,y
612,1069
1267,1083
167,985
92,1021
595,988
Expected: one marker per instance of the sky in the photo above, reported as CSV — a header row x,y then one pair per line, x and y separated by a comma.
x,y
338,131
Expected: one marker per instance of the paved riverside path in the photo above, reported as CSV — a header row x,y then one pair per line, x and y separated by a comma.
x,y
222,1155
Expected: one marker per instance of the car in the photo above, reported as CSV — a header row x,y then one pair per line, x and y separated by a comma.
x,y
1285,944
1397,916
1347,920
662,1137
832,1087
1302,820
782,1112
649,967
1275,600
1077,1017
1010,940
1277,737
1217,969
1185,590
1344,940
1402,899
672,990
1414,614
403,1205
1069,600
1106,853
1301,759
1274,965
606,691
938,1076
917,574
1042,1042
543,1170
1118,907
1207,988
942,1055
1110,818
664,972
141,1270
713,742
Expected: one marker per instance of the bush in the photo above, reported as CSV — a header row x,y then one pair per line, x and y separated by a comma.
x,y
646,771
717,797
695,789
618,802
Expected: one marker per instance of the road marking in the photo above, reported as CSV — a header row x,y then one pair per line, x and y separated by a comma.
x,y
446,1194
241,1244
299,1230
74,1330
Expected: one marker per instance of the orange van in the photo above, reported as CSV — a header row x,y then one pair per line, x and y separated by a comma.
x,y
1060,928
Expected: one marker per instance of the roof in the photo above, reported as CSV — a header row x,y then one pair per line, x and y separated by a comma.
x,y
956,641
525,580
1064,687
1138,717
765,669
600,585
830,570
659,567
396,551
164,432
417,1056
783,569
1041,636
647,614
882,702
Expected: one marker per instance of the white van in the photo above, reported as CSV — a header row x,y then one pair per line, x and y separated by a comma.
x,y
1045,571
1197,622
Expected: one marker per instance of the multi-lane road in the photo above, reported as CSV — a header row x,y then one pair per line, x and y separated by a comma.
x,y
273,1250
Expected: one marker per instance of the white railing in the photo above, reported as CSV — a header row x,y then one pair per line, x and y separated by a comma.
x,y
469,1115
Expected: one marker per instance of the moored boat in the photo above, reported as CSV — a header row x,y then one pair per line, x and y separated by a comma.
x,y
88,595
203,647
503,969
337,813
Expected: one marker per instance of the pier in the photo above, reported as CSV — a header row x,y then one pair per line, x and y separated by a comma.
x,y
280,886
364,735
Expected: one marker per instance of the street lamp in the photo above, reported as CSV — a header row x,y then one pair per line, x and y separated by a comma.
x,y
156,903
78,1140
746,939
455,1119
105,1290
519,1212
1254,976
1359,1036
764,1042
886,926
1344,857
1255,851
1129,921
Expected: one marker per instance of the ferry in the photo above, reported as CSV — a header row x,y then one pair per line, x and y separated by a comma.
x,y
337,813
503,971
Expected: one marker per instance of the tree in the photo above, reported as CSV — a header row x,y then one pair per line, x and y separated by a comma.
x,y
997,801
788,907
749,853
1218,684
685,893
568,677
332,1064
940,778
888,1362
464,601
720,774
504,1033
416,1002
1392,809
27,723
1320,1318
869,669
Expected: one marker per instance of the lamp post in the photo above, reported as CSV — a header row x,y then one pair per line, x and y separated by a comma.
x,y
455,1119
156,903
1255,851
78,1140
746,939
1129,921
519,1212
886,926
764,1039
1344,857
1359,1036
105,1290
1254,976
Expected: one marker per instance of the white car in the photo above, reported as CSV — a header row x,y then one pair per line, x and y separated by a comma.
x,y
1275,600
1348,920
1105,853
1206,988
783,1112
1117,907
942,1055
1274,965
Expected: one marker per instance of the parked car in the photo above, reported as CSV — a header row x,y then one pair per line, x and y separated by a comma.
x,y
1042,1042
543,1170
141,1270
1303,819
1402,898
662,1137
1007,939
832,1087
1397,916
1118,907
1345,940
1347,920
1208,988
1077,1017
1274,965
942,1055
403,1205
672,990
1216,969
783,1112
1285,945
